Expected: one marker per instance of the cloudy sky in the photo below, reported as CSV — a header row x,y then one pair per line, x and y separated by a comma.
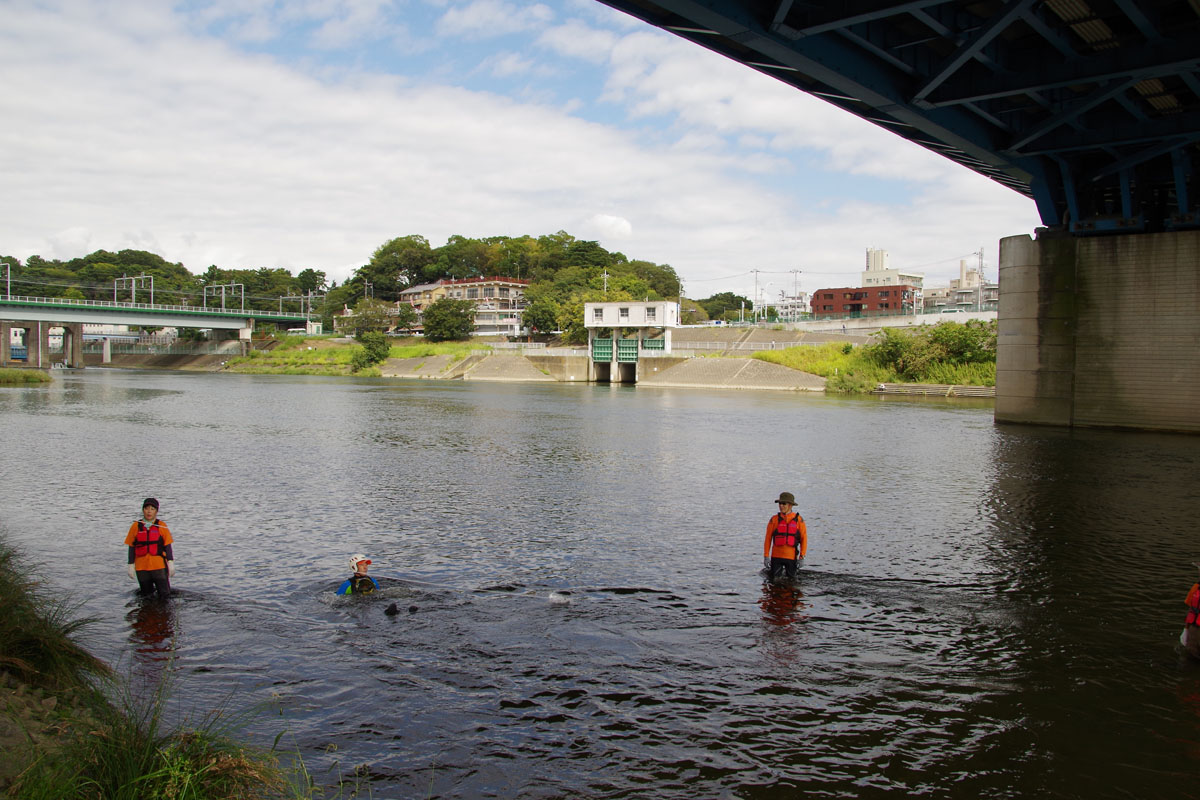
x,y
306,133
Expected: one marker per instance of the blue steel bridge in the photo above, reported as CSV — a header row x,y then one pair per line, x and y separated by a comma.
x,y
1089,107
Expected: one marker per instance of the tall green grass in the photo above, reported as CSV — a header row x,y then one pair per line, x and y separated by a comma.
x,y
19,376
292,357
947,353
91,739
844,367
36,630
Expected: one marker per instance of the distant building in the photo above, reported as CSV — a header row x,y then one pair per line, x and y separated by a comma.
x,y
792,309
866,301
971,291
880,273
498,302
423,294
656,314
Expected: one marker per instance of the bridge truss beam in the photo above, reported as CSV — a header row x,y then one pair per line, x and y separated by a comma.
x,y
1089,107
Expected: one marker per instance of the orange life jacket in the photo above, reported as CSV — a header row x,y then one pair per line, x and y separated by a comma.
x,y
787,534
148,540
1193,604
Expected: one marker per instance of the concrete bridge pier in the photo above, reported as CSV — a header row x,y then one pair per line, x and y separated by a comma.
x,y
72,344
37,343
1100,331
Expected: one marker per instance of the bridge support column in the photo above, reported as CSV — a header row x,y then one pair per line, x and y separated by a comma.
x,y
1100,331
39,345
73,345
5,342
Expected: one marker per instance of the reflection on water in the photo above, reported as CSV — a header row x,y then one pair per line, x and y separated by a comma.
x,y
984,611
152,639
782,604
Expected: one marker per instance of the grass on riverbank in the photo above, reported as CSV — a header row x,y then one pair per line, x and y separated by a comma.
x,y
61,738
10,375
300,356
852,369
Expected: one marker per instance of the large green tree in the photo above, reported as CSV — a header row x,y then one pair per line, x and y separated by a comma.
x,y
397,264
541,315
371,315
449,320
719,305
462,258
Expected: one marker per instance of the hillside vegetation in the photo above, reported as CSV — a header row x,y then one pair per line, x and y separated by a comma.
x,y
946,353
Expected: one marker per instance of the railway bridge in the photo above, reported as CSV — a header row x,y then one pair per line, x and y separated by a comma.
x,y
38,315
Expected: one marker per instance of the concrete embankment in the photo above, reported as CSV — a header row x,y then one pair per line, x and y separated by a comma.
x,y
206,362
734,373
491,367
697,373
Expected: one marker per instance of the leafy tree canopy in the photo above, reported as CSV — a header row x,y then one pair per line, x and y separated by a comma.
x,y
720,304
371,315
564,272
449,320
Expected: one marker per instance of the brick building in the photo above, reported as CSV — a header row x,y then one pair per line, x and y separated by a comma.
x,y
866,301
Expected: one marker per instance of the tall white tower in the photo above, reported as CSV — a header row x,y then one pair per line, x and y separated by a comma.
x,y
877,260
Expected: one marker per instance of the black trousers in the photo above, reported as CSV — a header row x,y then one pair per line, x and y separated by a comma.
x,y
153,580
779,568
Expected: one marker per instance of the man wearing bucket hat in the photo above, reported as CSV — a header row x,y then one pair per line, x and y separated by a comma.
x,y
360,582
787,539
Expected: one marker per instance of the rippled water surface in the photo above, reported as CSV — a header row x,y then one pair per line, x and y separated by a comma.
x,y
985,611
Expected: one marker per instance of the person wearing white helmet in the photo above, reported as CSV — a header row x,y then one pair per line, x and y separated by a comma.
x,y
360,582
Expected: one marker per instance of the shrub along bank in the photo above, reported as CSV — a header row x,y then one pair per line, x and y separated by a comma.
x,y
946,353
20,376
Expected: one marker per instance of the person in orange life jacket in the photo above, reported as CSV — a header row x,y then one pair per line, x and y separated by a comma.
x,y
151,561
786,541
1190,638
360,582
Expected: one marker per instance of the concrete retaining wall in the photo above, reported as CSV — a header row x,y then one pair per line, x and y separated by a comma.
x,y
567,369
1100,331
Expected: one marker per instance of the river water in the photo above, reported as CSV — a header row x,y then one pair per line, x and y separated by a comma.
x,y
985,611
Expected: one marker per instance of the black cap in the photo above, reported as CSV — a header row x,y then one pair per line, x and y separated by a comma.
x,y
150,501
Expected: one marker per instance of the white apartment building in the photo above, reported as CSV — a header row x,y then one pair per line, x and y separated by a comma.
x,y
880,273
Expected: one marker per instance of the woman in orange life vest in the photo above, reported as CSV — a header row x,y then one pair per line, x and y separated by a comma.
x,y
787,539
151,562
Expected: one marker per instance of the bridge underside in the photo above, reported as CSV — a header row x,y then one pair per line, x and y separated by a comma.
x,y
1089,107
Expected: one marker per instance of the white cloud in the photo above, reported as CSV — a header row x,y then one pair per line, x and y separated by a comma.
x,y
155,138
609,227
485,19
575,39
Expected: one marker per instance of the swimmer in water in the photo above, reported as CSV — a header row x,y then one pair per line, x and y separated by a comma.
x,y
360,582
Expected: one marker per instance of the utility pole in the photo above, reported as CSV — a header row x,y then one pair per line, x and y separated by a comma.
x,y
795,295
142,280
754,310
241,289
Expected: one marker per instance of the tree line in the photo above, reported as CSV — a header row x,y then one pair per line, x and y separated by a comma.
x,y
564,273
